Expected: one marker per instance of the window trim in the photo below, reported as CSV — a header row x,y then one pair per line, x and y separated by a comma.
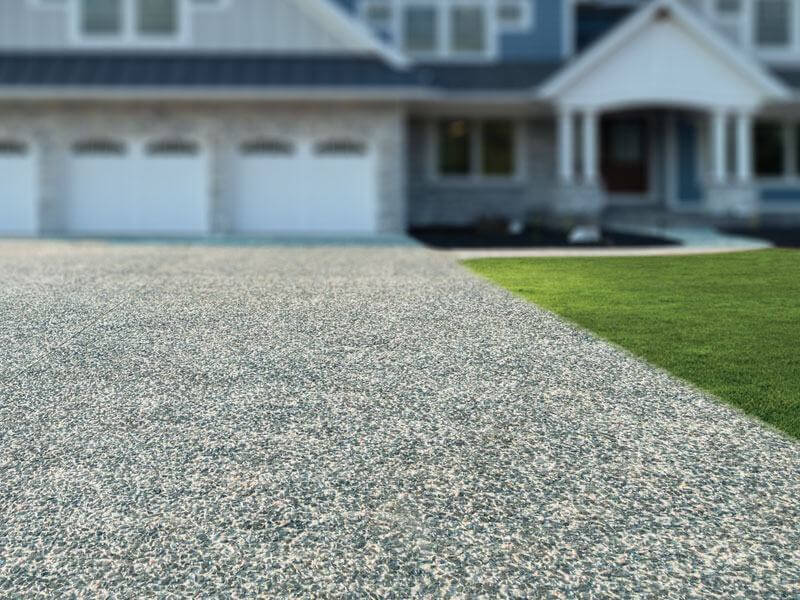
x,y
476,174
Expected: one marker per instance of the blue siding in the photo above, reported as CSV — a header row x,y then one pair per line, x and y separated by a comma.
x,y
689,186
544,40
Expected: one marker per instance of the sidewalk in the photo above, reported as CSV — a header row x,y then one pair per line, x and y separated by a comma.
x,y
693,240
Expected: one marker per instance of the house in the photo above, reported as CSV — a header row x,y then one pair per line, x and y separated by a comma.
x,y
203,117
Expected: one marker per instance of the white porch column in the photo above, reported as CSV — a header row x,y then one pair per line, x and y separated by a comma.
x,y
719,149
589,146
744,147
566,141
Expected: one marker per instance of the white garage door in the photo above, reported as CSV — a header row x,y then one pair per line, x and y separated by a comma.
x,y
157,188
18,188
283,186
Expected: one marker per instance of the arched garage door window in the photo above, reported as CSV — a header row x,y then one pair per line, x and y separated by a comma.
x,y
267,147
340,148
12,148
167,148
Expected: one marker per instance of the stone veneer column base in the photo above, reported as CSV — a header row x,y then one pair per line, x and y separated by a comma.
x,y
574,205
732,202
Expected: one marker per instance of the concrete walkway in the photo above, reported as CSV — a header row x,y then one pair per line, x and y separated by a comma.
x,y
328,422
692,240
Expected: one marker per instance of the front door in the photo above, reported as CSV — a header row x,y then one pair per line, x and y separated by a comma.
x,y
624,155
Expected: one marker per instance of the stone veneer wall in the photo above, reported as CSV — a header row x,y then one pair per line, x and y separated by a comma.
x,y
433,203
53,127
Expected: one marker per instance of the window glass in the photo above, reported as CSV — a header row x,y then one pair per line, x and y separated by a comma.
x,y
340,148
497,145
99,147
627,143
773,19
267,146
12,147
101,17
378,14
420,25
172,148
455,144
729,7
157,17
468,29
512,14
769,150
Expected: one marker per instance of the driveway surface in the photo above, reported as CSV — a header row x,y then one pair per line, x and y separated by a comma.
x,y
195,421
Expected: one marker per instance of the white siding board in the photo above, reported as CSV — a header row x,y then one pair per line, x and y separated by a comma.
x,y
240,25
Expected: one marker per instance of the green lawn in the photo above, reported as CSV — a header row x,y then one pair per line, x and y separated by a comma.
x,y
729,323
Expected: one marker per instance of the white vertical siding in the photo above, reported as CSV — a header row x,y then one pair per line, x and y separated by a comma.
x,y
241,25
25,26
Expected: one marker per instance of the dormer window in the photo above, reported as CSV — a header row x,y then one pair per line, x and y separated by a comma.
x,y
129,21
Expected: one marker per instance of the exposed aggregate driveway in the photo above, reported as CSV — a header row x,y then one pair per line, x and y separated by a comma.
x,y
235,422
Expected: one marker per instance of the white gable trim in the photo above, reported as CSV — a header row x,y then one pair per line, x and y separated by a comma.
x,y
348,28
751,70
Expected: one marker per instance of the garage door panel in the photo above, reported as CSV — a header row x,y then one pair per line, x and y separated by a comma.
x,y
116,188
173,191
324,187
18,192
100,196
268,179
343,195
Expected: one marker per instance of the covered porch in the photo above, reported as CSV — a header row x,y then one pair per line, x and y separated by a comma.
x,y
660,114
676,159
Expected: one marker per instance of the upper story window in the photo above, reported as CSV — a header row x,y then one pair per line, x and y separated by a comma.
x,y
157,17
129,21
420,29
728,8
434,29
468,29
378,15
101,17
773,23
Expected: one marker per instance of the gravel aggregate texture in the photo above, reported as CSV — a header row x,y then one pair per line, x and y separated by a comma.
x,y
182,421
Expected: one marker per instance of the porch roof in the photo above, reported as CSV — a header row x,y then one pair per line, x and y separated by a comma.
x,y
664,54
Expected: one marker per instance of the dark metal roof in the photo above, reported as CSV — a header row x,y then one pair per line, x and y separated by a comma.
x,y
194,71
500,76
190,70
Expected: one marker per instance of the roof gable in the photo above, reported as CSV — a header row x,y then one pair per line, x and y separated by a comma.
x,y
351,31
664,54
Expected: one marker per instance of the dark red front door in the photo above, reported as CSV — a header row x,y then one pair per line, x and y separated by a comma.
x,y
624,154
